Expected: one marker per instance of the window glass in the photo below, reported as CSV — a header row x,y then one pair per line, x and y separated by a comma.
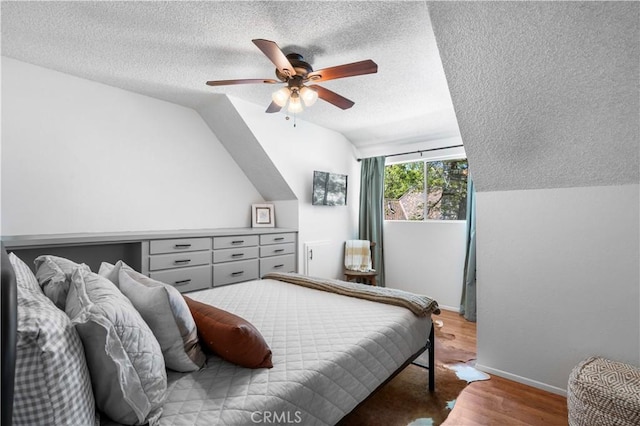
x,y
419,190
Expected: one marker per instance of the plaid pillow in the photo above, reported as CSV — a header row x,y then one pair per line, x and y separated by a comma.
x,y
24,277
52,384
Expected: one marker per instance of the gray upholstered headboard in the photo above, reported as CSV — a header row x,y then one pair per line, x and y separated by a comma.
x,y
9,334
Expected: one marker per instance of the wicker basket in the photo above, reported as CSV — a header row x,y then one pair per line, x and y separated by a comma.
x,y
602,392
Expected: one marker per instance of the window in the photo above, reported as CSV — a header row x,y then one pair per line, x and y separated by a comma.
x,y
426,190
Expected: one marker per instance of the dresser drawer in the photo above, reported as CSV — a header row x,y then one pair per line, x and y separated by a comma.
x,y
237,241
277,238
178,245
234,272
233,255
278,264
185,279
178,260
277,250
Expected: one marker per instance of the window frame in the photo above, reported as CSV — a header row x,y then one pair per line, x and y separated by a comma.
x,y
425,160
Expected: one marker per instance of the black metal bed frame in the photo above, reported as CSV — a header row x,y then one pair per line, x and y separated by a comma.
x,y
430,346
9,293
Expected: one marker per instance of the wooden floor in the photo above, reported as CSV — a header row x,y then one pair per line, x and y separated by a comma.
x,y
498,401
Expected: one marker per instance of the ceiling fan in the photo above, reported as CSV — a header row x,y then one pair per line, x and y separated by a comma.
x,y
292,70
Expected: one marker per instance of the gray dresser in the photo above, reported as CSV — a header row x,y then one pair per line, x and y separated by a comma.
x,y
189,260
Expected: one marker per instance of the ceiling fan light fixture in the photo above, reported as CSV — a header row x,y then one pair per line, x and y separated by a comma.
x,y
280,97
295,105
309,96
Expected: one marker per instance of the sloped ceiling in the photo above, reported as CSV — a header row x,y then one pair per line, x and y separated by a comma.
x,y
230,128
546,93
168,50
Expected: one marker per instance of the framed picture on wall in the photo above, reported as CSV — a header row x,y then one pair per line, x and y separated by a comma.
x,y
262,216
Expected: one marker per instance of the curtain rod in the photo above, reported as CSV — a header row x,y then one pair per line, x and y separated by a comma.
x,y
420,151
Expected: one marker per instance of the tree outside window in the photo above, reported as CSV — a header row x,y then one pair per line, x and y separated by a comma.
x,y
426,190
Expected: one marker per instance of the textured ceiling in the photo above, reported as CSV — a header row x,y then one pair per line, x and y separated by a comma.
x,y
168,50
546,93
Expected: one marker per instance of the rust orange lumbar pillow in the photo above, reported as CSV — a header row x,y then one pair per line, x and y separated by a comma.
x,y
231,337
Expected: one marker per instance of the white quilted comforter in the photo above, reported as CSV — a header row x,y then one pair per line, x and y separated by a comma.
x,y
329,353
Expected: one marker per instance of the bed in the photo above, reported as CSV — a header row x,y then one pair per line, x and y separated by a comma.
x,y
330,352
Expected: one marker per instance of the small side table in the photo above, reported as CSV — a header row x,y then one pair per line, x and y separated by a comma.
x,y
363,277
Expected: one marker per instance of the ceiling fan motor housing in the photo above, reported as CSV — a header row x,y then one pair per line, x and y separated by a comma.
x,y
301,68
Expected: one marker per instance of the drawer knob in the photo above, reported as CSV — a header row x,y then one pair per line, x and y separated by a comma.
x,y
237,242
278,250
278,239
237,255
182,246
278,266
182,261
182,282
235,274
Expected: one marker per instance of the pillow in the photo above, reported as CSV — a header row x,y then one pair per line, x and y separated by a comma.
x,y
111,272
167,314
231,337
52,383
24,277
54,275
124,358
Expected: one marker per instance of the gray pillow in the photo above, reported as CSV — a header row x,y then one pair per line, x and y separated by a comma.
x,y
165,311
54,275
124,358
52,383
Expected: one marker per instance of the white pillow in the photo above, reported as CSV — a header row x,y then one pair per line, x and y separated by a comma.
x,y
52,383
54,275
165,311
111,272
124,358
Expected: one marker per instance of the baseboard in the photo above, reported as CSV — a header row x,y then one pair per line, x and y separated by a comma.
x,y
449,308
523,380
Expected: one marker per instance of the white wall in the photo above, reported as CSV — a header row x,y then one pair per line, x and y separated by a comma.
x,y
426,258
297,152
79,156
558,280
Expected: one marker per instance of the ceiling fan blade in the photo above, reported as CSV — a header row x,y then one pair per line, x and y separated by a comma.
x,y
273,107
275,55
332,97
244,81
347,70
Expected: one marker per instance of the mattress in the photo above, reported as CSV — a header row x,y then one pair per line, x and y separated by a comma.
x,y
329,353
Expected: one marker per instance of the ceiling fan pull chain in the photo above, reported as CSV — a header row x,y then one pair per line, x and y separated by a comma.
x,y
286,117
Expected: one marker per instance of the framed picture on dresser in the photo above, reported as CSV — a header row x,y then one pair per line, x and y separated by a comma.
x,y
262,216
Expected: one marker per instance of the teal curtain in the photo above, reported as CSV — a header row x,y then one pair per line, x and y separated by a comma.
x,y
468,302
371,209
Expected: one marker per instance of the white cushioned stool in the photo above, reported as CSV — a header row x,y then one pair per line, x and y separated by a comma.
x,y
604,392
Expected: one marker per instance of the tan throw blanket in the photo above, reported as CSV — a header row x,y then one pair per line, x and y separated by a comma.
x,y
357,255
421,306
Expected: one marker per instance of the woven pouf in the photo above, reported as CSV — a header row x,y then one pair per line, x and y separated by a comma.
x,y
604,392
